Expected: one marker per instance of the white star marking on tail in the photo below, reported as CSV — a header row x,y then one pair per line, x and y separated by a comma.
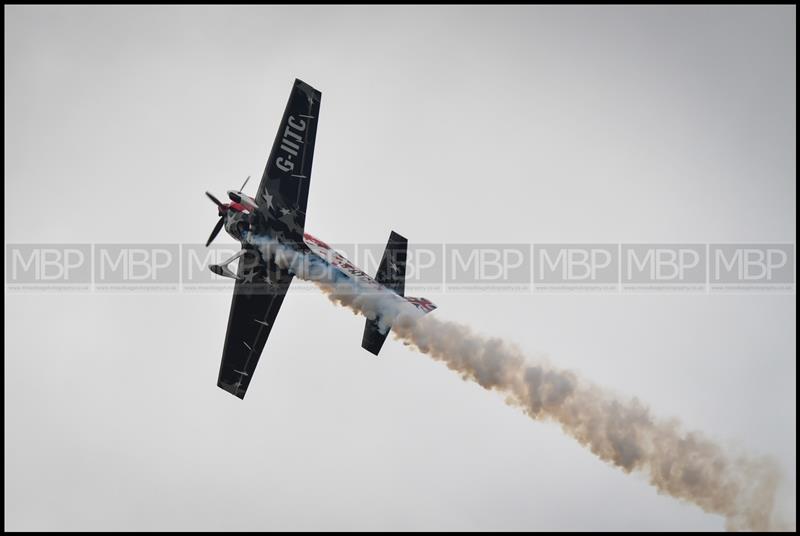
x,y
268,199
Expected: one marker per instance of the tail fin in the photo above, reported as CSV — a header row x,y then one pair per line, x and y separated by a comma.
x,y
391,274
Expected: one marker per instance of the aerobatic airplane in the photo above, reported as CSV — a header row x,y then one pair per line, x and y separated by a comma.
x,y
275,217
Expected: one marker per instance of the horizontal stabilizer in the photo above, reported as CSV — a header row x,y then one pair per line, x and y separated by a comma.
x,y
392,275
373,338
392,270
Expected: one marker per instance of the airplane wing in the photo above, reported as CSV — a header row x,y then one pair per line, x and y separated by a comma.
x,y
283,193
257,298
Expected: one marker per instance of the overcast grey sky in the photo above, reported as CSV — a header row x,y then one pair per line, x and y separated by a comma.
x,y
446,124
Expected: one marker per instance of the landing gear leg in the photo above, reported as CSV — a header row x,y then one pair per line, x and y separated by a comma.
x,y
223,270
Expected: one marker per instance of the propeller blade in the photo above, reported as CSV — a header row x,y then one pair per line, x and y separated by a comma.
x,y
216,230
245,182
214,199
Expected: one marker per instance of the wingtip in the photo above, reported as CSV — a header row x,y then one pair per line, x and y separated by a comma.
x,y
238,393
300,83
397,237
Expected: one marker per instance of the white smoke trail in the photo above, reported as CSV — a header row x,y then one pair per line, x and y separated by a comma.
x,y
685,465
